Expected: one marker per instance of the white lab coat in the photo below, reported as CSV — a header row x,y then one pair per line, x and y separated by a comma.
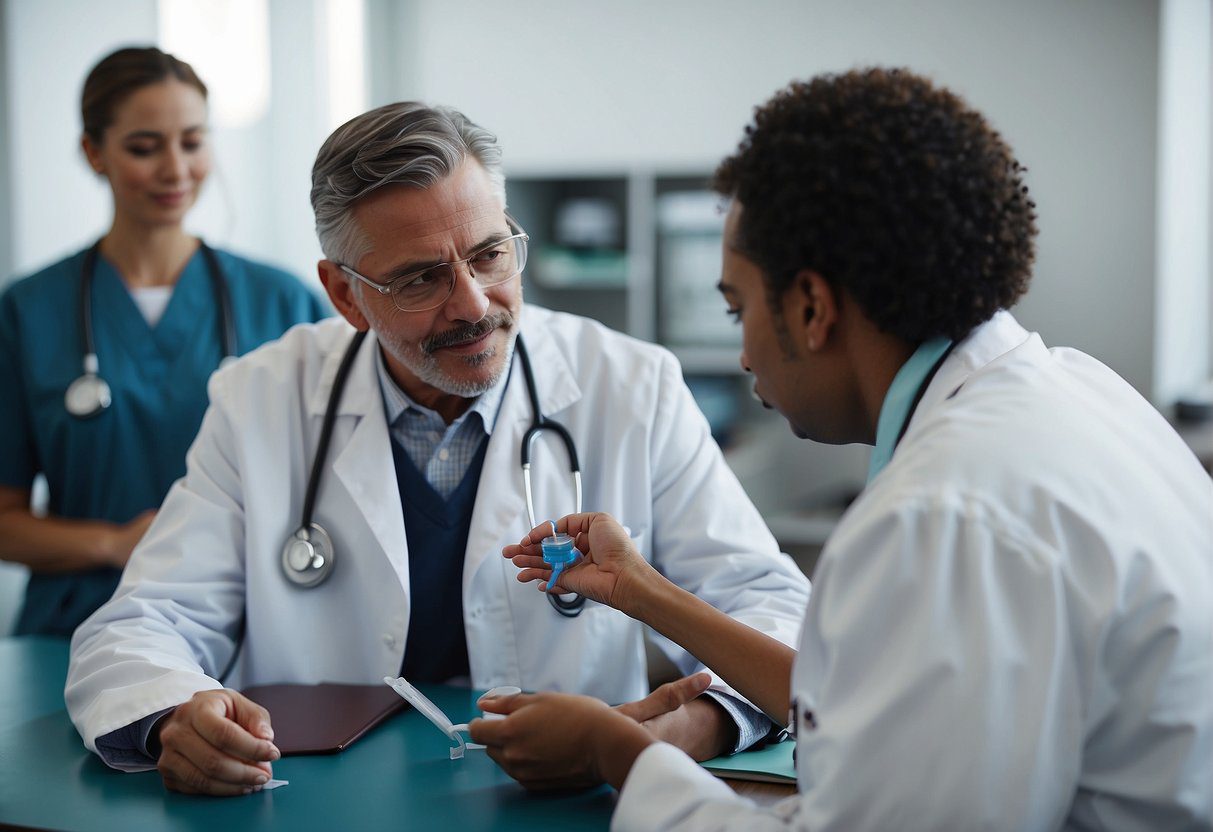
x,y
1011,628
213,553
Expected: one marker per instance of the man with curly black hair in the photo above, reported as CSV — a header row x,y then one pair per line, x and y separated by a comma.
x,y
1011,627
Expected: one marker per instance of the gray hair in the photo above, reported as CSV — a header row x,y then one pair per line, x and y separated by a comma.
x,y
406,143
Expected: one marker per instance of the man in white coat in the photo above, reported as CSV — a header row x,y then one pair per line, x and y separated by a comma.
x,y
418,489
1012,627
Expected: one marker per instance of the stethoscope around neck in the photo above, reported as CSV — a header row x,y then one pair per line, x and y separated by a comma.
x,y
308,554
90,394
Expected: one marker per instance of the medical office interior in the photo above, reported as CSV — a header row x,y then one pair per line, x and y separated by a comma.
x,y
612,117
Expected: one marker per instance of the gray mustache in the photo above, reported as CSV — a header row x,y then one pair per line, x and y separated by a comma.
x,y
469,332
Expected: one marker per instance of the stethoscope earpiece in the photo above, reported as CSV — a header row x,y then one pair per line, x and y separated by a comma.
x,y
307,557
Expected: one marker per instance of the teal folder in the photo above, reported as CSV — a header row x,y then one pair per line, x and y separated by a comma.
x,y
771,764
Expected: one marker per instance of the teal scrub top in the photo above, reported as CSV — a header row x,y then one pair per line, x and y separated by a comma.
x,y
122,461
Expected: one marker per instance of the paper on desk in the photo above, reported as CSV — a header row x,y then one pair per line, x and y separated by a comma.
x,y
273,784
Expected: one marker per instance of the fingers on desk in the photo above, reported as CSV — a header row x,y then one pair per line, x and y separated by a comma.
x,y
251,716
180,774
207,751
233,738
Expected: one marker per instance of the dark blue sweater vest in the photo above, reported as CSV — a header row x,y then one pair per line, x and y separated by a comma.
x,y
437,534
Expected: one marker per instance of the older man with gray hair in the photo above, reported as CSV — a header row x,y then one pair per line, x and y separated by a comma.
x,y
353,484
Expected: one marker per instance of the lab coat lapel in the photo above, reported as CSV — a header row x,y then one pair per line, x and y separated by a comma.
x,y
363,464
501,500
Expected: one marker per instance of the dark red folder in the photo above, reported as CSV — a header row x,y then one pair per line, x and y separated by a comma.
x,y
324,718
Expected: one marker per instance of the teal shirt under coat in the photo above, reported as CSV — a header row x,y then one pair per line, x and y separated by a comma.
x,y
121,462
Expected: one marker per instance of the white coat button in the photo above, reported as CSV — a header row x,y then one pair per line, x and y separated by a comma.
x,y
444,454
389,639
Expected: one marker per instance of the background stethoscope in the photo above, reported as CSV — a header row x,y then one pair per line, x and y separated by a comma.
x,y
307,556
90,394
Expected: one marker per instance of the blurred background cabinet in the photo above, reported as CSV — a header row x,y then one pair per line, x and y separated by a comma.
x,y
639,251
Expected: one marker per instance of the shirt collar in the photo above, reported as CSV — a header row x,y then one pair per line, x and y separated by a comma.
x,y
396,402
899,401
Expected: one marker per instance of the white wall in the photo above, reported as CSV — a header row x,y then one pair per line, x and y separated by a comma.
x,y
1185,124
58,205
1072,85
256,201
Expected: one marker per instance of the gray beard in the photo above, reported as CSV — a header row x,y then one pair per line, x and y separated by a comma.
x,y
429,372
420,360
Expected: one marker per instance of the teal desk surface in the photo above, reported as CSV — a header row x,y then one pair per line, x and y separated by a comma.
x,y
397,777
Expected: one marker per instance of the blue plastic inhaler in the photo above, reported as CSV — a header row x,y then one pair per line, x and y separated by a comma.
x,y
558,552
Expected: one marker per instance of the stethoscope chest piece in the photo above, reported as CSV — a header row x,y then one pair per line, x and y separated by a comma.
x,y
307,557
87,396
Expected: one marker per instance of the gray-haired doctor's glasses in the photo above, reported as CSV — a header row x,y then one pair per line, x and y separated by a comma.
x,y
418,288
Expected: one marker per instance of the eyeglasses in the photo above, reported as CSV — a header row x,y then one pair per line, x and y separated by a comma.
x,y
429,288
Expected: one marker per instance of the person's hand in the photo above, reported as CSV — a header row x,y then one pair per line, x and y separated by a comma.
x,y
677,714
559,741
610,567
126,537
218,743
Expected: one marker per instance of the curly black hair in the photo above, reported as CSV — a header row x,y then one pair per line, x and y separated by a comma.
x,y
893,190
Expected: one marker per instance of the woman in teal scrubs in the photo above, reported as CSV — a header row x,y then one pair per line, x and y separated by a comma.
x,y
156,328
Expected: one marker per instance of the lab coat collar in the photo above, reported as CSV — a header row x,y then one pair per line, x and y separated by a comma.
x,y
554,376
361,388
995,338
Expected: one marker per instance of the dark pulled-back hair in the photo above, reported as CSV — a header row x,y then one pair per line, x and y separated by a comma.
x,y
893,190
122,73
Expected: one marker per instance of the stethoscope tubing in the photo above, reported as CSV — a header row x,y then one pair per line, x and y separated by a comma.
x,y
219,288
571,607
326,428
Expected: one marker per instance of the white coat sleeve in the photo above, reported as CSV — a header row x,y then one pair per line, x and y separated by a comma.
x,y
708,538
172,624
937,668
667,790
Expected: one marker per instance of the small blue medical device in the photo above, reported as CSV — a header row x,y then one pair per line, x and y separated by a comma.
x,y
558,552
